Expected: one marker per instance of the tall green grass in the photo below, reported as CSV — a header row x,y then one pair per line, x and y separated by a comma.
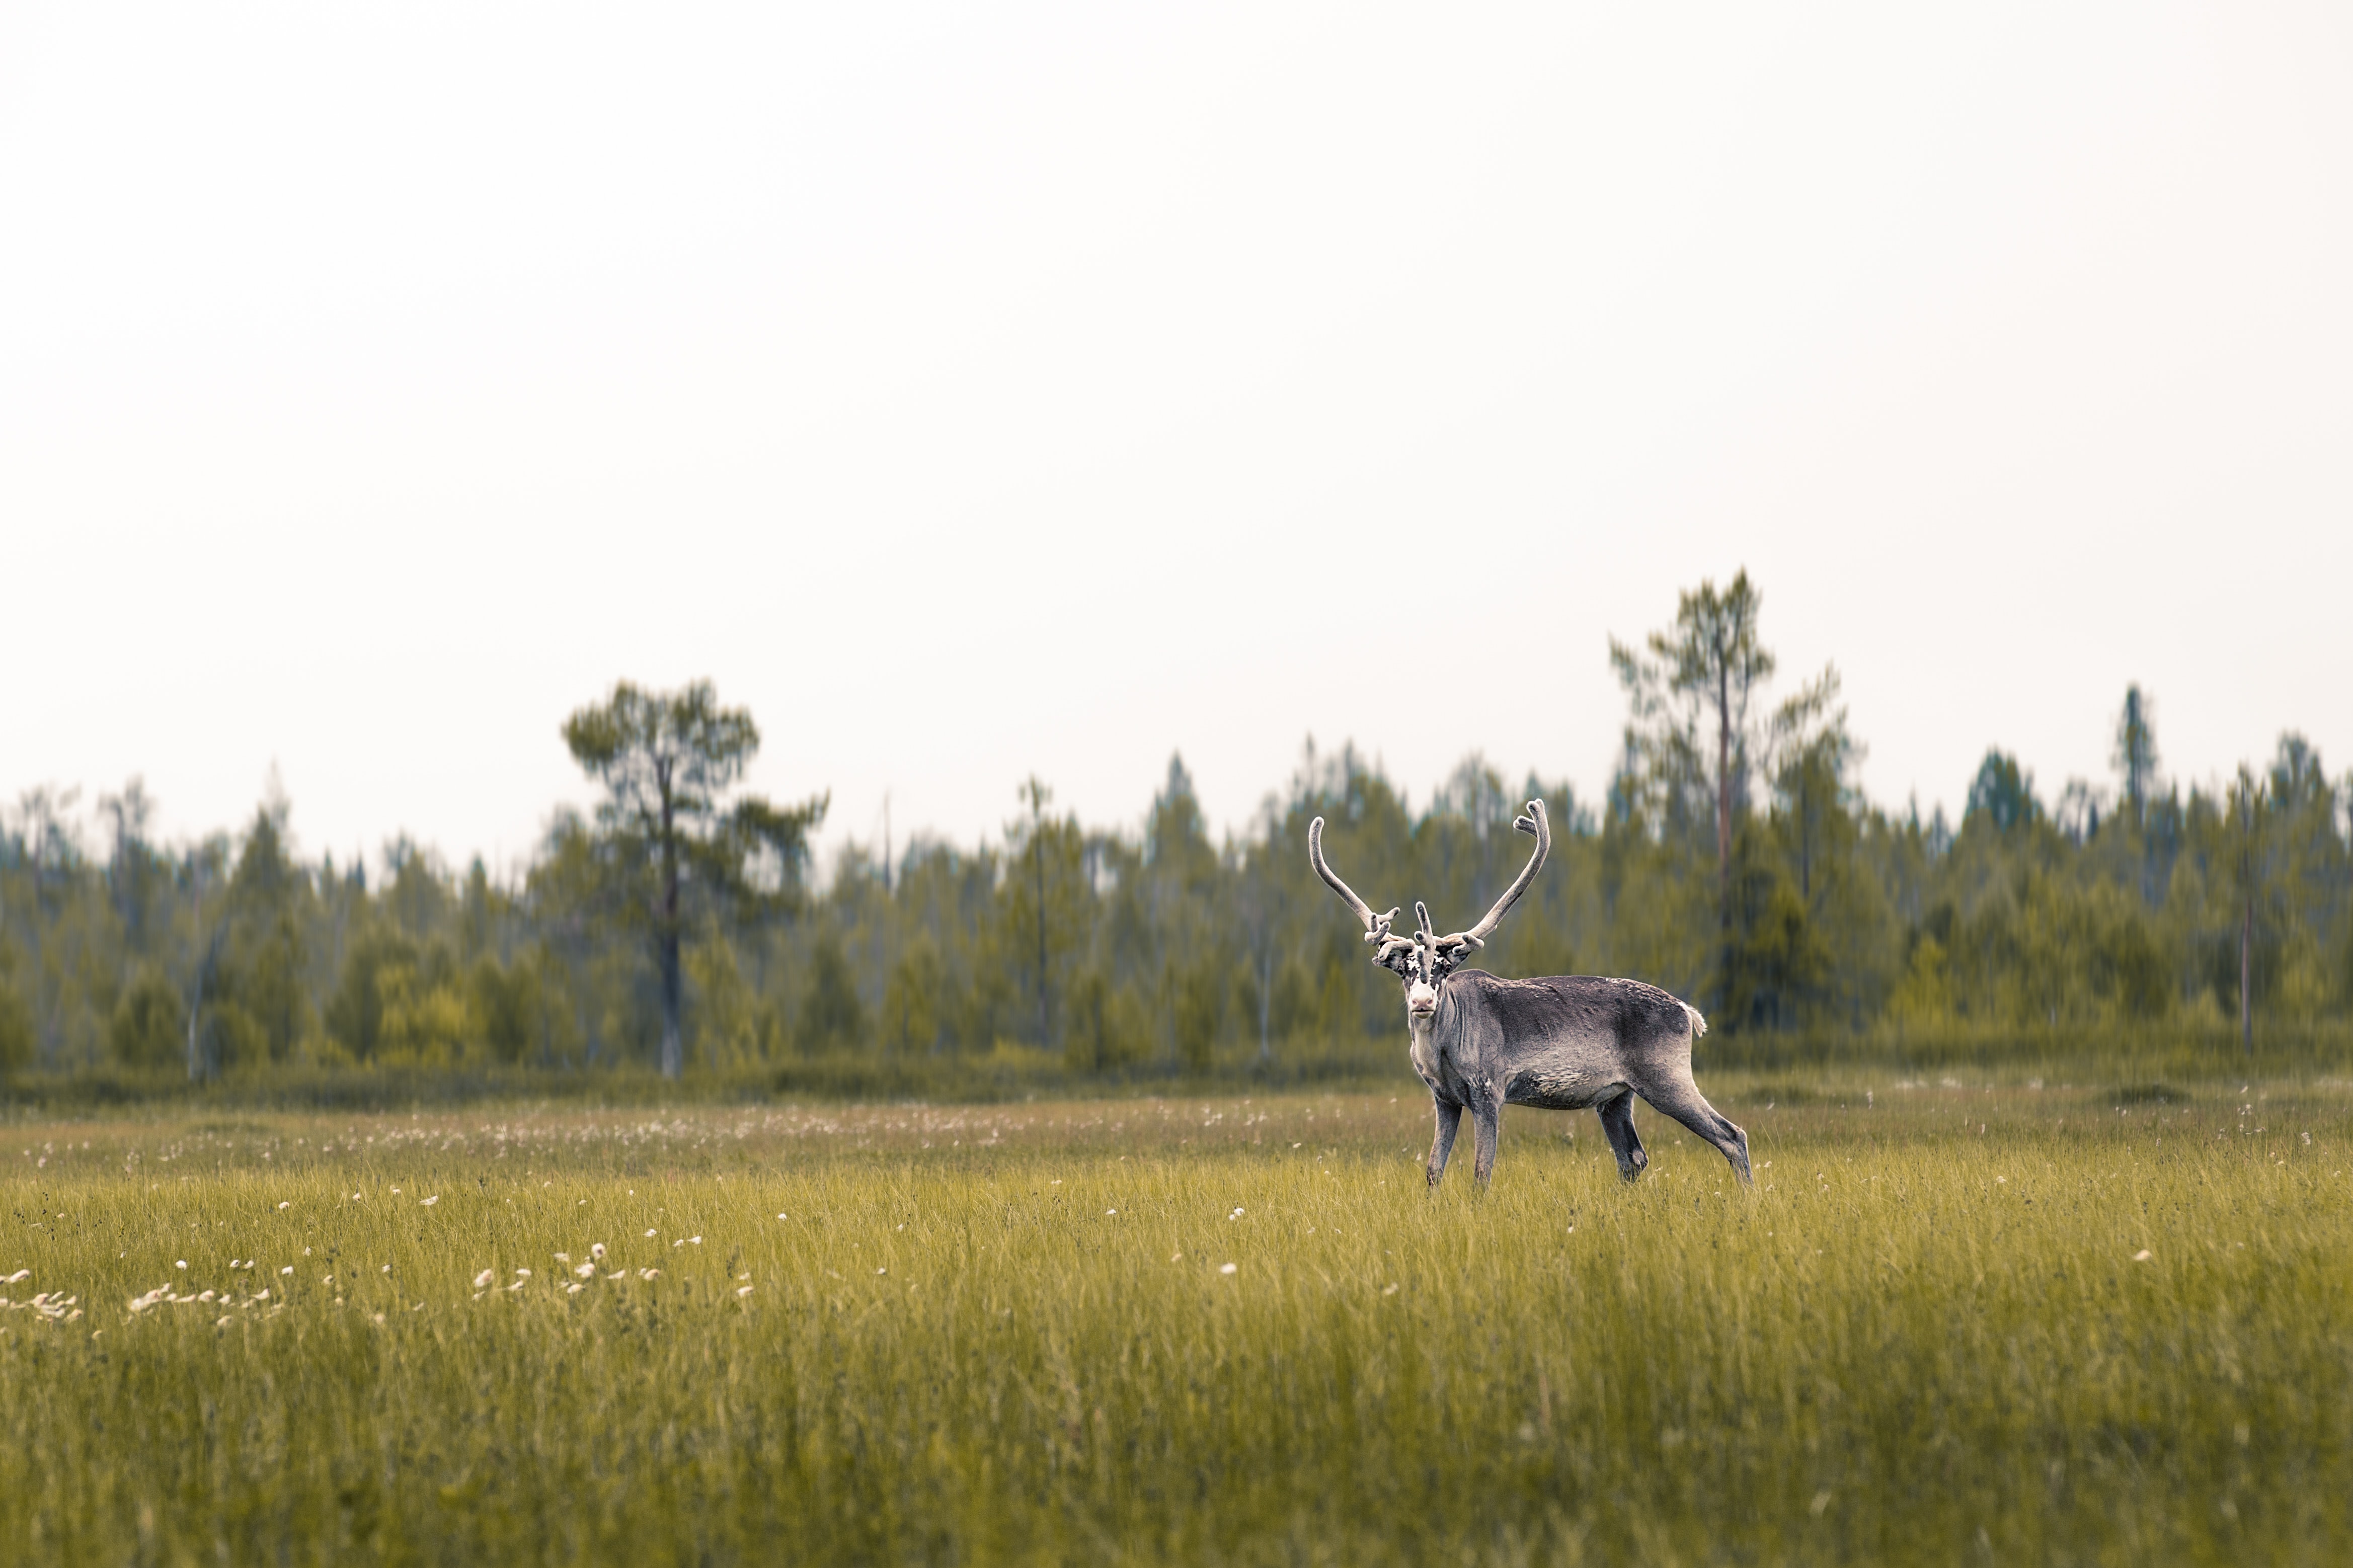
x,y
1926,1336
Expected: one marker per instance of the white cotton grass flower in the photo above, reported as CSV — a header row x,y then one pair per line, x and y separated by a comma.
x,y
2143,1255
648,1273
386,1269
597,1251
779,1216
742,1292
1228,1268
180,1263
431,1201
649,1235
1236,1215
288,1269
482,1280
285,1205
564,1257
574,1289
1107,1212
584,1270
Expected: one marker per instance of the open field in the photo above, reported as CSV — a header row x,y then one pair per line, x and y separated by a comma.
x,y
1230,1330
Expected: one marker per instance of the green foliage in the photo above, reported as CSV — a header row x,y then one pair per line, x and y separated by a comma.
x,y
17,1045
731,1029
2002,794
427,1016
1045,906
233,1038
148,1028
1688,704
1055,952
917,997
355,1013
1110,1028
1196,1002
670,846
831,1016
2136,754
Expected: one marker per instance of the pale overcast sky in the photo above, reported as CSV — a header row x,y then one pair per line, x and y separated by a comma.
x,y
973,391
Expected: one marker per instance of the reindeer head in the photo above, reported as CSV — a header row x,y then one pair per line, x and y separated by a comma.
x,y
1424,960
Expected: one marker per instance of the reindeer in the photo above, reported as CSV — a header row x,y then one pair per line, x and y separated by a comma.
x,y
1565,1043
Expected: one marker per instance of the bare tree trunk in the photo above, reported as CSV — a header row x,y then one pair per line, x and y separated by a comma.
x,y
673,1044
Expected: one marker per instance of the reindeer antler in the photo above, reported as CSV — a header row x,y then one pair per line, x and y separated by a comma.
x,y
1534,822
1377,927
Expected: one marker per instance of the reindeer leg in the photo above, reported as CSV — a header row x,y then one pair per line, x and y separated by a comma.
x,y
1450,1121
1486,1121
1617,1126
1682,1100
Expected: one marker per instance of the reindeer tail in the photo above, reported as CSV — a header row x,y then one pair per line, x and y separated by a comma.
x,y
1698,1021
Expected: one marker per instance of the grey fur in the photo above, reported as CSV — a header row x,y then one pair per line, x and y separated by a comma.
x,y
1570,1042
1566,1042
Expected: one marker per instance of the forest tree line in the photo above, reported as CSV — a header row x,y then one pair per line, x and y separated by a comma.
x,y
1732,859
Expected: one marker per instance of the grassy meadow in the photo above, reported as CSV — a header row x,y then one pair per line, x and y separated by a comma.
x,y
1955,1322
